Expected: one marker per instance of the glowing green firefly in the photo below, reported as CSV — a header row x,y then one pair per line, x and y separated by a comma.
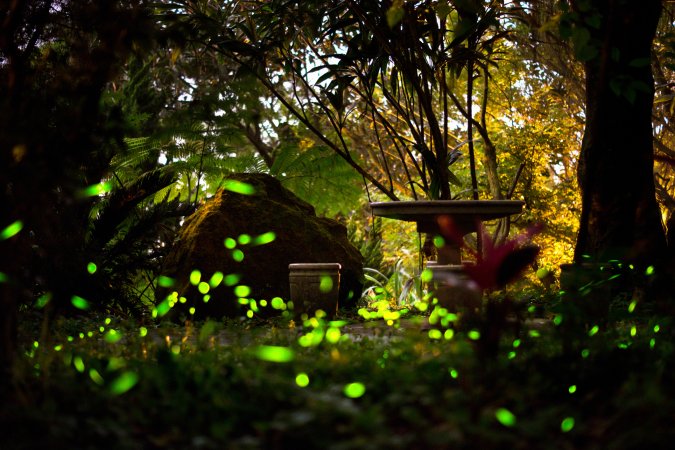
x,y
203,287
435,334
216,279
474,335
165,281
264,238
237,255
505,417
232,279
96,189
244,239
275,353
326,283
567,424
91,268
79,364
96,377
354,390
238,187
79,302
302,380
123,383
242,291
195,277
230,243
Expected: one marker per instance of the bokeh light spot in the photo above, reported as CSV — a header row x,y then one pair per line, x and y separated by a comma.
x,y
354,390
274,353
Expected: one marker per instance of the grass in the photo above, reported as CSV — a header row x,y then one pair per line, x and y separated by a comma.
x,y
343,384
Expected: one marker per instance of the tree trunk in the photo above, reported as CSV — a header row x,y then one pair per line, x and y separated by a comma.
x,y
620,218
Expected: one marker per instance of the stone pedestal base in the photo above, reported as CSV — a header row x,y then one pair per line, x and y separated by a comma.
x,y
314,286
453,288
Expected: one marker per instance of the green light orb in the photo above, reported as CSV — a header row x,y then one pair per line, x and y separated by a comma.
x,y
195,277
567,424
123,383
216,279
79,302
326,283
354,390
11,230
264,238
242,291
91,268
230,243
238,187
237,255
505,417
302,380
203,287
165,281
435,334
275,354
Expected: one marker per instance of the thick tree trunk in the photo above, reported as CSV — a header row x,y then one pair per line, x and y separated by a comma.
x,y
620,217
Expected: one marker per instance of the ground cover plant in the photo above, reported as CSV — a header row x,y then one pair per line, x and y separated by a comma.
x,y
402,379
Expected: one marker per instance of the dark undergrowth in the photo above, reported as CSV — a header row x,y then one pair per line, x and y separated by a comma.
x,y
102,382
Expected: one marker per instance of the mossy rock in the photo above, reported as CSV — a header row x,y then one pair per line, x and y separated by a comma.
x,y
237,220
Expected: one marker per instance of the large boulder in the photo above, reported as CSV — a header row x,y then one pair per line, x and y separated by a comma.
x,y
232,225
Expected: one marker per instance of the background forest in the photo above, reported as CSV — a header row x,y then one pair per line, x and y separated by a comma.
x,y
120,118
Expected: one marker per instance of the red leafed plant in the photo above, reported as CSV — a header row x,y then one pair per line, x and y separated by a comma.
x,y
498,264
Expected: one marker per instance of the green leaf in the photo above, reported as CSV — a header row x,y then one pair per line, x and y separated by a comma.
x,y
453,179
395,15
